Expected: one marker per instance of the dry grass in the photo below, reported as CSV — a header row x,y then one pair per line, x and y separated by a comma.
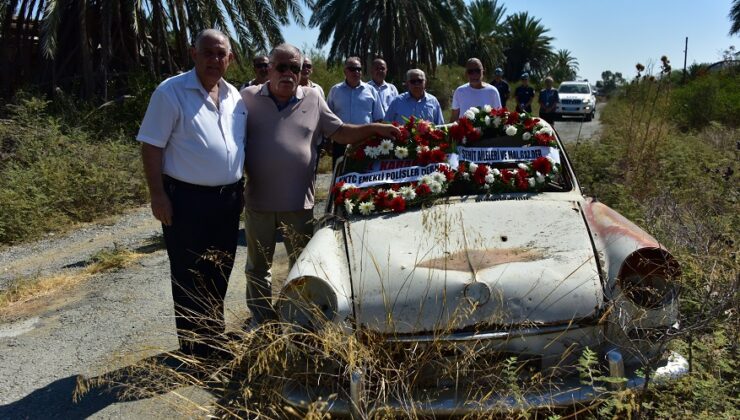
x,y
26,289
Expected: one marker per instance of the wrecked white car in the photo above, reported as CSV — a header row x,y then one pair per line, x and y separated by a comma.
x,y
461,269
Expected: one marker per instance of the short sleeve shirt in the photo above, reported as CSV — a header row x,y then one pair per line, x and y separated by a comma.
x,y
387,93
466,97
281,148
524,94
549,97
405,106
358,105
503,90
203,144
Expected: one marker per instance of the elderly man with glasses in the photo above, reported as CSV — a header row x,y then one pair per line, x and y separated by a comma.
x,y
286,123
259,64
416,102
353,101
474,93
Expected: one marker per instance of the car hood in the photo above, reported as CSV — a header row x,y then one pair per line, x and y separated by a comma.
x,y
574,96
488,264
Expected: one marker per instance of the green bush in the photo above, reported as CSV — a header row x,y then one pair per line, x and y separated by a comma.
x,y
52,176
711,97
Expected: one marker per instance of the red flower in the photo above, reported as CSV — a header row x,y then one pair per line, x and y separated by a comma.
x,y
530,123
423,189
521,181
438,156
359,154
542,165
381,200
437,135
457,131
506,176
479,176
398,204
473,135
513,118
424,157
423,127
404,135
544,139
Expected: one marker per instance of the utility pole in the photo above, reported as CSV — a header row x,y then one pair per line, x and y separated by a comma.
x,y
685,52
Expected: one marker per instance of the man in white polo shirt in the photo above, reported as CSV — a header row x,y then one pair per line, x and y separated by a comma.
x,y
474,93
386,91
192,144
286,123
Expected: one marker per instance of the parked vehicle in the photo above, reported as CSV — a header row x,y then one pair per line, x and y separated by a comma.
x,y
576,99
508,274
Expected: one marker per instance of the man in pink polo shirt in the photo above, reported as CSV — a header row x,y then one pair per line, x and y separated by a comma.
x,y
286,124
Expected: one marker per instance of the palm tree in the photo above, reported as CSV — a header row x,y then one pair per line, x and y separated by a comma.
x,y
735,17
526,42
564,66
483,28
405,33
87,40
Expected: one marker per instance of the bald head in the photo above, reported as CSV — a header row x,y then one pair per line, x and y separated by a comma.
x,y
211,34
378,71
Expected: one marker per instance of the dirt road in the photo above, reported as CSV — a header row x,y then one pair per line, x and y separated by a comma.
x,y
111,320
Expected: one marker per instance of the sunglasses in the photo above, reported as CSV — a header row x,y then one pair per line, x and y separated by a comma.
x,y
357,69
308,66
262,65
416,81
473,71
294,68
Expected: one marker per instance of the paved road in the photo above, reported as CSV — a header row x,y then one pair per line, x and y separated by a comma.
x,y
574,130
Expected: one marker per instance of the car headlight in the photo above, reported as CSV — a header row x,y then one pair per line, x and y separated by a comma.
x,y
308,302
585,101
647,278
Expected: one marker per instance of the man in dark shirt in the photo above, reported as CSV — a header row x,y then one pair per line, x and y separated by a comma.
x,y
524,95
501,85
548,100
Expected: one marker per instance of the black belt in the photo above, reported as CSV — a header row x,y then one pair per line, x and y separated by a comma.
x,y
168,180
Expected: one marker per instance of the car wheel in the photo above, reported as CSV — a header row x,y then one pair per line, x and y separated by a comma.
x,y
589,117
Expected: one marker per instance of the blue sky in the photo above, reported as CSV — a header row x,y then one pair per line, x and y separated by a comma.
x,y
614,35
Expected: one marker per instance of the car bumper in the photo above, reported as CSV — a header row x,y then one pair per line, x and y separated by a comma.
x,y
579,110
452,401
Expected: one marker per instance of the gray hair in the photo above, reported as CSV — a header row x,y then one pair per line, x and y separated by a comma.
x,y
352,59
211,33
286,48
378,61
417,72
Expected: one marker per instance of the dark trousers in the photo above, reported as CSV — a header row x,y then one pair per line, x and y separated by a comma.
x,y
549,117
201,244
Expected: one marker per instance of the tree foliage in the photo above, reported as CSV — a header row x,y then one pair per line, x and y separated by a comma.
x,y
405,34
610,81
483,26
85,43
526,42
564,66
735,18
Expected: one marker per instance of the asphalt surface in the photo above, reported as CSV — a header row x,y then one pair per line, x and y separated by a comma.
x,y
113,319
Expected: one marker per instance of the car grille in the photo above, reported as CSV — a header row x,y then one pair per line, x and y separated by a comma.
x,y
570,101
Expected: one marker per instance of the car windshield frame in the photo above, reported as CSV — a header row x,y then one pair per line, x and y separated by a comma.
x,y
573,88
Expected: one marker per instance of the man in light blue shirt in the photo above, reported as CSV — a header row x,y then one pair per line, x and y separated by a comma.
x,y
353,101
416,102
386,91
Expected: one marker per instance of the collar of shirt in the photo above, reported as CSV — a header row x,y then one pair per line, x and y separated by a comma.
x,y
265,91
193,82
411,98
360,86
377,86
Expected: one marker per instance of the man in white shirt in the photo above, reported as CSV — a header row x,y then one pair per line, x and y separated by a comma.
x,y
306,71
386,91
474,93
192,145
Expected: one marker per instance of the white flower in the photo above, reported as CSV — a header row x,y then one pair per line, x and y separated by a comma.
x,y
385,147
407,193
487,108
466,176
347,186
366,207
426,179
372,152
348,205
435,187
487,120
402,152
423,148
497,122
471,113
439,177
526,136
514,171
392,194
510,130
554,169
472,167
495,172
545,130
523,167
530,180
540,178
490,178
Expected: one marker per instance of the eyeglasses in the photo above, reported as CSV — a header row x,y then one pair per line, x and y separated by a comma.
x,y
416,81
308,66
473,71
262,65
357,69
294,68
